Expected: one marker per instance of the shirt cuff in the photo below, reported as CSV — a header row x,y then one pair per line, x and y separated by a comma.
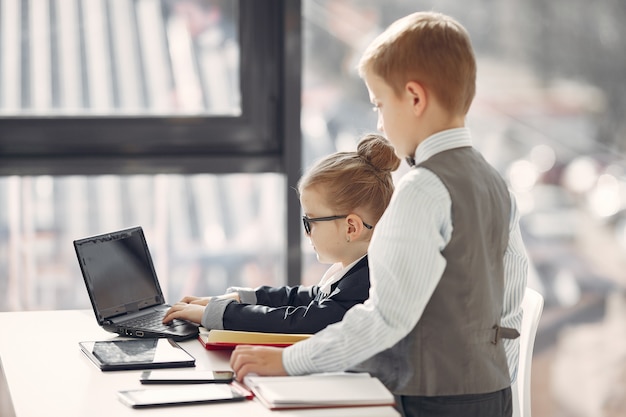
x,y
246,295
296,359
213,316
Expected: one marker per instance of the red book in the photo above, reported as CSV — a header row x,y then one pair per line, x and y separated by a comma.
x,y
228,339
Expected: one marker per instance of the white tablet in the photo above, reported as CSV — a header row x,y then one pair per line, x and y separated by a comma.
x,y
179,395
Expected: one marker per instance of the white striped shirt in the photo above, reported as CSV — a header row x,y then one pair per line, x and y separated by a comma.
x,y
406,264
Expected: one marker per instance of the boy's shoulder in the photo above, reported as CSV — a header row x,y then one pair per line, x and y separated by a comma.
x,y
417,184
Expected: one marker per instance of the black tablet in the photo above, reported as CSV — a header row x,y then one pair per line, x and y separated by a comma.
x,y
124,354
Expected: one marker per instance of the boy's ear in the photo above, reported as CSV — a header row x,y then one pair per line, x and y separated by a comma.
x,y
417,94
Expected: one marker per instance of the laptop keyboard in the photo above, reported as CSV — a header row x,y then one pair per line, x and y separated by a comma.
x,y
153,321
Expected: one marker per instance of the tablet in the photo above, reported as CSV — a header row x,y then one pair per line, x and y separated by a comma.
x,y
175,376
124,354
179,395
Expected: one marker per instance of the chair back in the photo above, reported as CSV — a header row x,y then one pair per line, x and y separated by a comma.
x,y
532,306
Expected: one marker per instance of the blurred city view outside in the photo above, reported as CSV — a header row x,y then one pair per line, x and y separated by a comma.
x,y
549,114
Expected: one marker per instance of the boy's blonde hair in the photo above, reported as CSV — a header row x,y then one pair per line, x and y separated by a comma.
x,y
358,180
430,48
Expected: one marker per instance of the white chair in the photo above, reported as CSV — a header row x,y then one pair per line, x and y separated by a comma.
x,y
532,306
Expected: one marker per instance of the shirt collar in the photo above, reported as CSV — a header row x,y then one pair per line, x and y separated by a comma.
x,y
334,274
441,141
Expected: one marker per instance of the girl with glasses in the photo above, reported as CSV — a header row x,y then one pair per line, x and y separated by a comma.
x,y
343,196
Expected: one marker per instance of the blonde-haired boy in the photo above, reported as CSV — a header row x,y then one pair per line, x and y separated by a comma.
x,y
447,262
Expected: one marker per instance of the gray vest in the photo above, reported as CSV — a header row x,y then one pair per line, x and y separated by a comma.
x,y
455,348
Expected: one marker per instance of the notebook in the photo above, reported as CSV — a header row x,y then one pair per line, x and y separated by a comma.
x,y
338,389
123,287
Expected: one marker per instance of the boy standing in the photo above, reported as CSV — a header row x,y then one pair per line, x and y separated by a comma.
x,y
447,262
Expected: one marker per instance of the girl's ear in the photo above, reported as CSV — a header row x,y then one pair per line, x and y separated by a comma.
x,y
355,227
417,94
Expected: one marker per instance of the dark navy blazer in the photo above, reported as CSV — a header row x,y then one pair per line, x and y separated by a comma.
x,y
300,309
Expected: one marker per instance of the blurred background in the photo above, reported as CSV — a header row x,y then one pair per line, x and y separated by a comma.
x,y
549,114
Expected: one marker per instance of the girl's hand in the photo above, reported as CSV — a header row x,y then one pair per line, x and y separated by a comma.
x,y
184,311
190,299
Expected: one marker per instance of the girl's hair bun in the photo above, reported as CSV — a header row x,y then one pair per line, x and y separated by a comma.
x,y
378,152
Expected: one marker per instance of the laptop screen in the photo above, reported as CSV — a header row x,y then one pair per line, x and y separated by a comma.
x,y
118,272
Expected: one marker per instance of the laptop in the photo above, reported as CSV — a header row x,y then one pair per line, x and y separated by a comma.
x,y
123,287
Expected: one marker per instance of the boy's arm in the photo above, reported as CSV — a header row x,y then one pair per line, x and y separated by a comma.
x,y
515,281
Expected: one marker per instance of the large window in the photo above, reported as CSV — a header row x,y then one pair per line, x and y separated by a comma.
x,y
169,114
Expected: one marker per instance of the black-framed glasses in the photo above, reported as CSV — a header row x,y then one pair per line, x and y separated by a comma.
x,y
306,221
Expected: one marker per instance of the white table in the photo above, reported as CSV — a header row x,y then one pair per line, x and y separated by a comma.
x,y
44,373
